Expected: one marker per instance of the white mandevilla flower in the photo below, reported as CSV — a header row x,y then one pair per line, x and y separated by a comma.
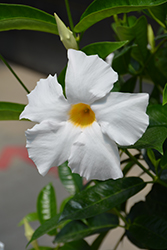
x,y
85,127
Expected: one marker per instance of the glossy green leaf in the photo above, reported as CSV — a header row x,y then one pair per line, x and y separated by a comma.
x,y
46,227
157,115
165,95
138,34
29,217
101,198
76,230
14,16
154,137
156,133
46,205
150,230
71,181
76,245
103,49
10,111
99,10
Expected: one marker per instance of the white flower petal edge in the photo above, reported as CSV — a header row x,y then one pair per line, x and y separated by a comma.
x,y
95,156
88,78
46,101
122,116
49,143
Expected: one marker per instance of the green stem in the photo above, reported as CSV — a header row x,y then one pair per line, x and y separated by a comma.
x,y
12,71
139,164
115,210
69,16
121,238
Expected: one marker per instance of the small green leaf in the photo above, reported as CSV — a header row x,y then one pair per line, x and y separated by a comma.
x,y
15,16
10,111
99,10
71,181
103,49
165,95
29,217
76,245
46,205
101,198
76,230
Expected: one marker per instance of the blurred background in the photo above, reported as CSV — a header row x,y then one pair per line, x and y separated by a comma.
x,y
34,55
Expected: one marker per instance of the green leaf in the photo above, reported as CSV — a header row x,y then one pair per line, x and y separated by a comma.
x,y
98,10
46,204
46,227
10,111
156,133
150,230
76,245
121,60
29,217
76,230
71,181
165,95
138,34
129,85
14,16
157,115
148,219
154,137
101,198
159,14
103,49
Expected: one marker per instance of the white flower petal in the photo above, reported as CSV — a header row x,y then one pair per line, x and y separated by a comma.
x,y
46,101
88,78
122,116
49,143
94,155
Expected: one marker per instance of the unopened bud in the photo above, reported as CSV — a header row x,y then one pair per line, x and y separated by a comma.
x,y
66,35
151,42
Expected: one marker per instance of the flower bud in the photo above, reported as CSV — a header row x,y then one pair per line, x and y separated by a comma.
x,y
151,42
66,35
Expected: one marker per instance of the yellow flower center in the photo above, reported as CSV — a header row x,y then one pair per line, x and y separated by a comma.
x,y
81,115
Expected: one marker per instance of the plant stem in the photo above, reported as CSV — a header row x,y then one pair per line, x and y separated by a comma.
x,y
12,71
69,16
121,238
115,210
139,164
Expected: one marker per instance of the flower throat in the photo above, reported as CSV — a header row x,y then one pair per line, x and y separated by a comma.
x,y
81,115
